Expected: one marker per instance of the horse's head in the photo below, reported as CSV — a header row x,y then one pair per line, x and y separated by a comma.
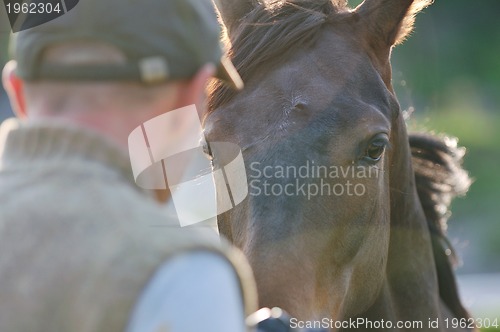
x,y
332,224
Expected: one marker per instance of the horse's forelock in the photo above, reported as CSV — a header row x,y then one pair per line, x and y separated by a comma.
x,y
271,30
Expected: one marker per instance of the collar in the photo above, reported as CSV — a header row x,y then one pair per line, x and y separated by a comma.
x,y
25,144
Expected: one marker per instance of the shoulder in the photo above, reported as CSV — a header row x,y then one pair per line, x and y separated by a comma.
x,y
197,284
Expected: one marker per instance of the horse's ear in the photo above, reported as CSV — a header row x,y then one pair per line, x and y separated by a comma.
x,y
232,11
390,21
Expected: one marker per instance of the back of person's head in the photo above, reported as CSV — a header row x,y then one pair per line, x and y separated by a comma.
x,y
62,98
117,59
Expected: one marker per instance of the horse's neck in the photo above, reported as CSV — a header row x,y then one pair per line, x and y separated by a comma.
x,y
395,307
447,314
392,308
410,291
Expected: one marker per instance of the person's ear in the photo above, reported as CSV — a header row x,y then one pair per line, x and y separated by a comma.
x,y
194,90
15,89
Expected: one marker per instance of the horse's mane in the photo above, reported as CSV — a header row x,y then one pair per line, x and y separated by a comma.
x,y
439,176
271,30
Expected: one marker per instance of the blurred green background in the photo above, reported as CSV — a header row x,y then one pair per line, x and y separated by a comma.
x,y
448,71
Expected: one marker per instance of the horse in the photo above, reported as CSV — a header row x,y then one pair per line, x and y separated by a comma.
x,y
319,112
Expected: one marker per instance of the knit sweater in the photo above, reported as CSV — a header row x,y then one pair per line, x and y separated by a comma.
x,y
78,239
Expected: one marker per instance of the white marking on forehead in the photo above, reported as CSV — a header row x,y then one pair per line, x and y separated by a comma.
x,y
294,101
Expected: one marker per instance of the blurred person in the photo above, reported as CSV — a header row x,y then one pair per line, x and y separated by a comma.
x,y
78,250
5,111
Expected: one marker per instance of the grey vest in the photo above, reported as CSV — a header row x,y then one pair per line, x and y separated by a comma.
x,y
78,241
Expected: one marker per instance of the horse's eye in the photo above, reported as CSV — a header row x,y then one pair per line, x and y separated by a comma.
x,y
376,150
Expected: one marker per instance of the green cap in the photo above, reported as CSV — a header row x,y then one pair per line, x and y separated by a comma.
x,y
162,40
